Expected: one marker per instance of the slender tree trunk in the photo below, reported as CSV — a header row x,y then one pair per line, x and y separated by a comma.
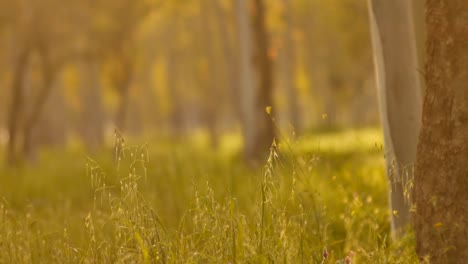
x,y
52,127
230,52
264,133
290,66
123,83
92,113
441,176
246,77
48,73
399,90
417,7
210,76
17,106
335,83
175,118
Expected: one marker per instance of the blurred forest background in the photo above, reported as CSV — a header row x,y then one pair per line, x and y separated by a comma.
x,y
72,71
200,87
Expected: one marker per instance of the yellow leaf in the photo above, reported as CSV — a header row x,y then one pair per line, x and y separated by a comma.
x,y
268,109
324,116
395,212
438,225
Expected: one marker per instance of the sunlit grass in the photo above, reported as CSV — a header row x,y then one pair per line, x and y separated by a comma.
x,y
188,203
350,140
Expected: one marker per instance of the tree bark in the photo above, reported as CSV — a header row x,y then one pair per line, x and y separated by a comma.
x,y
441,182
264,129
175,116
17,106
290,66
230,52
48,73
175,71
399,91
210,76
246,77
92,113
51,128
123,83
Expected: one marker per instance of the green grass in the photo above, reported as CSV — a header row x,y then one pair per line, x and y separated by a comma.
x,y
183,202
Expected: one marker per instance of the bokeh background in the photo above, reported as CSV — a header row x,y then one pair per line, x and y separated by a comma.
x,y
140,131
73,71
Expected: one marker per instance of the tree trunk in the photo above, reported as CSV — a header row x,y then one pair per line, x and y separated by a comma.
x,y
17,106
290,66
246,77
230,52
92,113
123,82
210,76
334,84
264,129
441,181
175,116
419,24
52,127
399,91
48,73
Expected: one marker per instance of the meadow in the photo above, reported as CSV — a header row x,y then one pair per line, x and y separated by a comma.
x,y
320,198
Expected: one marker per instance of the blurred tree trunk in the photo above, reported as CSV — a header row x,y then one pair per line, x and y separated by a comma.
x,y
22,124
400,91
210,73
52,127
264,130
419,24
29,149
290,65
134,122
258,126
246,77
151,115
122,82
230,52
17,106
176,118
441,181
92,113
334,84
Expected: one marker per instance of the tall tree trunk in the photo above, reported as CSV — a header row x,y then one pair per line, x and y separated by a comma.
x,y
176,117
334,85
290,66
174,68
230,52
92,113
48,73
17,106
399,91
246,77
264,133
441,176
419,24
123,83
52,127
210,76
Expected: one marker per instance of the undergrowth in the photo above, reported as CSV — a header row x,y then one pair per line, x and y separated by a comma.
x,y
186,205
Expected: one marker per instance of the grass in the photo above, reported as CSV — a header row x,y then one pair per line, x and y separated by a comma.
x,y
184,202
